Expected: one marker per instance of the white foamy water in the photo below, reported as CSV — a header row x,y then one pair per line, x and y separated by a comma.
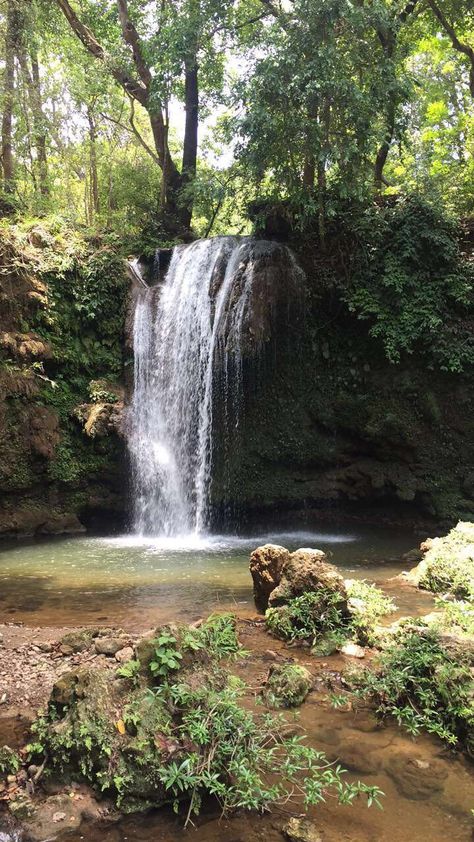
x,y
182,329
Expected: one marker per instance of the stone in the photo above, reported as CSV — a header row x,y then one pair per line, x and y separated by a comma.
x,y
63,691
124,655
302,830
78,641
307,570
358,756
266,566
416,777
287,685
108,645
353,650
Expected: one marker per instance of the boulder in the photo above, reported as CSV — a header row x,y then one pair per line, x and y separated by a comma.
x,y
307,570
287,686
124,655
302,830
109,645
266,566
416,777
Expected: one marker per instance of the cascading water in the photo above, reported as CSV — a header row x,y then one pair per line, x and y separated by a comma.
x,y
199,316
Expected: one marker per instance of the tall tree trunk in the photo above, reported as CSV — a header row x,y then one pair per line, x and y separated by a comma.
x,y
40,125
33,86
309,166
384,148
94,183
322,163
8,99
191,104
138,86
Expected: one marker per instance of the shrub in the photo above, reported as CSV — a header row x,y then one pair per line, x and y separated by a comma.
x,y
367,604
448,565
9,761
312,616
413,285
320,617
423,685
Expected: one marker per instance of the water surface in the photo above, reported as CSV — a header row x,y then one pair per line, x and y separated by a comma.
x,y
139,581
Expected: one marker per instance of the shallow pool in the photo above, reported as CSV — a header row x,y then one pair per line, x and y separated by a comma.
x,y
136,581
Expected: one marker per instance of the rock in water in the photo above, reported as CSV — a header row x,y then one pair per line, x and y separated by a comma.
x,y
416,777
302,830
266,566
287,685
307,570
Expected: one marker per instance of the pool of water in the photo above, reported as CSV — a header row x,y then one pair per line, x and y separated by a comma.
x,y
136,581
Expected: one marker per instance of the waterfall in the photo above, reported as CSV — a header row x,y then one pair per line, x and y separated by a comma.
x,y
198,318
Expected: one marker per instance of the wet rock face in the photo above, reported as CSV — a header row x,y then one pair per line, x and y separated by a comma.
x,y
266,566
44,431
279,576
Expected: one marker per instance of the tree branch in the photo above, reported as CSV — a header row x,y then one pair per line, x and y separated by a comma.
x,y
133,129
132,38
458,45
133,87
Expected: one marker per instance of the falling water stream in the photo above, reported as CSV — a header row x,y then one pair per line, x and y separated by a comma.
x,y
185,328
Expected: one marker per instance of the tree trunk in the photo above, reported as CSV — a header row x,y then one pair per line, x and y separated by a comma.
x,y
322,162
8,98
309,166
40,126
384,148
94,184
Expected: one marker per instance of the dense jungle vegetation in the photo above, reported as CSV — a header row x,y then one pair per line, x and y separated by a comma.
x,y
149,119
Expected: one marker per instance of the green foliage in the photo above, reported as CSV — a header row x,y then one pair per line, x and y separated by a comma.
x,y
413,284
323,619
367,604
9,761
448,566
457,615
130,669
218,636
311,616
423,686
166,657
188,738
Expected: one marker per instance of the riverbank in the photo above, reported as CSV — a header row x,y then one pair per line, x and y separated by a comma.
x,y
427,788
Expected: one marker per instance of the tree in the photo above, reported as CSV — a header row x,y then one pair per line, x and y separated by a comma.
x,y
8,98
151,66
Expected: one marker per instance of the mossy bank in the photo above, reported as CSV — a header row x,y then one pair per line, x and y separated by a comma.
x,y
62,305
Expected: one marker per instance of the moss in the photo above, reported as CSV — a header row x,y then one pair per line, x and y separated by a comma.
x,y
70,293
448,564
287,686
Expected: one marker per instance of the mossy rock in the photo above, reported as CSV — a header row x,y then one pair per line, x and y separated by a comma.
x,y
80,640
448,563
287,686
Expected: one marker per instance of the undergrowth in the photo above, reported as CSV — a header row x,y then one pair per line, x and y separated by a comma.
x,y
423,684
326,621
184,734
